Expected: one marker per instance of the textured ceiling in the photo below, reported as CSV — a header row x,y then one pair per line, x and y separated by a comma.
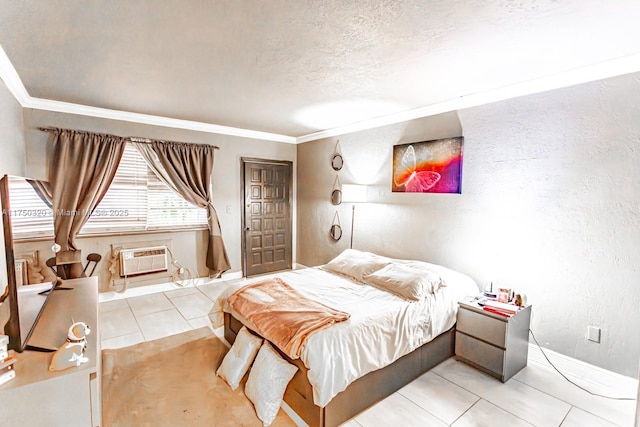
x,y
298,67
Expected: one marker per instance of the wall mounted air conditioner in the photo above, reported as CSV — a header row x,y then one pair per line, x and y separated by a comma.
x,y
138,261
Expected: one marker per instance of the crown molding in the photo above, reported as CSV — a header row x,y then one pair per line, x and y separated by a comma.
x,y
105,113
12,80
612,68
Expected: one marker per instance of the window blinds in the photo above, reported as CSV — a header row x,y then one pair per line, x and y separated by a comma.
x,y
135,202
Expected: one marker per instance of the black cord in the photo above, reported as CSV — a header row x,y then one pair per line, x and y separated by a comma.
x,y
565,377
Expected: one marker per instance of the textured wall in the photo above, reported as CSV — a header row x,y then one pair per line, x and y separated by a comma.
x,y
188,247
367,158
11,162
11,134
549,206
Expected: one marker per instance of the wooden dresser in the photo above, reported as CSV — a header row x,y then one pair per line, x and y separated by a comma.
x,y
38,397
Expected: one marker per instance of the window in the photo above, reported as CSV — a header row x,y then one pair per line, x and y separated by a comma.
x,y
30,215
165,208
136,201
125,204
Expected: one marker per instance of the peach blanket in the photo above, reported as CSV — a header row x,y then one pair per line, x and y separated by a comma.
x,y
283,316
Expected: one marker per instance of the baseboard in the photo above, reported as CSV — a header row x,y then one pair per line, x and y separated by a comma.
x,y
135,291
583,371
232,275
163,287
294,417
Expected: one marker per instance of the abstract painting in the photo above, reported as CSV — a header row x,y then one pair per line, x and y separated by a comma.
x,y
428,166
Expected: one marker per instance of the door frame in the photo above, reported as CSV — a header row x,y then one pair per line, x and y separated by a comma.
x,y
243,226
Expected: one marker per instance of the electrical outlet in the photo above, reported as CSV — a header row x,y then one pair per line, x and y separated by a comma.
x,y
593,334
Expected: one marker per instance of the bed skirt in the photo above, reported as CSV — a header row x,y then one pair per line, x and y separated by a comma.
x,y
363,392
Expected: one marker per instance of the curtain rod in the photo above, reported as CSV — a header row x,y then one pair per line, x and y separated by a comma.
x,y
149,141
132,138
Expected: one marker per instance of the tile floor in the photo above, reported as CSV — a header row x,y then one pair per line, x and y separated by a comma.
x,y
451,394
130,320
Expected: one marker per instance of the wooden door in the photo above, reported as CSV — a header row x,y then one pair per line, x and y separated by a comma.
x,y
266,221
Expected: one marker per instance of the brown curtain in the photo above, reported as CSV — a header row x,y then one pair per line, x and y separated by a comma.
x,y
186,169
42,189
81,168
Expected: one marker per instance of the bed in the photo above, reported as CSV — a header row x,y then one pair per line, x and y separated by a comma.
x,y
401,324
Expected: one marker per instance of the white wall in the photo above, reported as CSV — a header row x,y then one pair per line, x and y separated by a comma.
x,y
188,247
638,405
549,206
12,160
11,163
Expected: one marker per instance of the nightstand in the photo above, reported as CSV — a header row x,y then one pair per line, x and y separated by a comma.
x,y
493,343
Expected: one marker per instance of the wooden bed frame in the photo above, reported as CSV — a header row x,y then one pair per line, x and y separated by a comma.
x,y
363,392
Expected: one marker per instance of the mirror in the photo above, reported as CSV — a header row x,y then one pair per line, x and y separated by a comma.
x,y
335,232
337,162
336,197
25,214
336,194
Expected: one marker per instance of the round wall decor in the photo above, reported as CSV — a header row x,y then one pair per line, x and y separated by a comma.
x,y
336,194
337,162
336,232
336,197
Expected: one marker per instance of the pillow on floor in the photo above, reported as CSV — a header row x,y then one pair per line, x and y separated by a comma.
x,y
240,356
267,382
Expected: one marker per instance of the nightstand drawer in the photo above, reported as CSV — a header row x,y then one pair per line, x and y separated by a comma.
x,y
482,326
480,353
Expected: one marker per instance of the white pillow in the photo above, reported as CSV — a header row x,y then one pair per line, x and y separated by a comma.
x,y
356,264
267,382
239,357
407,282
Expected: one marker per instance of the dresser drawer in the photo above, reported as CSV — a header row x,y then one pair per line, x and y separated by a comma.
x,y
480,353
482,326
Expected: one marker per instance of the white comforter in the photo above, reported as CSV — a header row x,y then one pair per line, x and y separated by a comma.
x,y
382,328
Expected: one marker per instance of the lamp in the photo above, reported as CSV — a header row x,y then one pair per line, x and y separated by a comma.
x,y
354,193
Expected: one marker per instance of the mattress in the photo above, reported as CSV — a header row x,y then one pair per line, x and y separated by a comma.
x,y
382,327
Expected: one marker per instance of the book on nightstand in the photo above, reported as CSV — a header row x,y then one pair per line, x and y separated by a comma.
x,y
503,309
